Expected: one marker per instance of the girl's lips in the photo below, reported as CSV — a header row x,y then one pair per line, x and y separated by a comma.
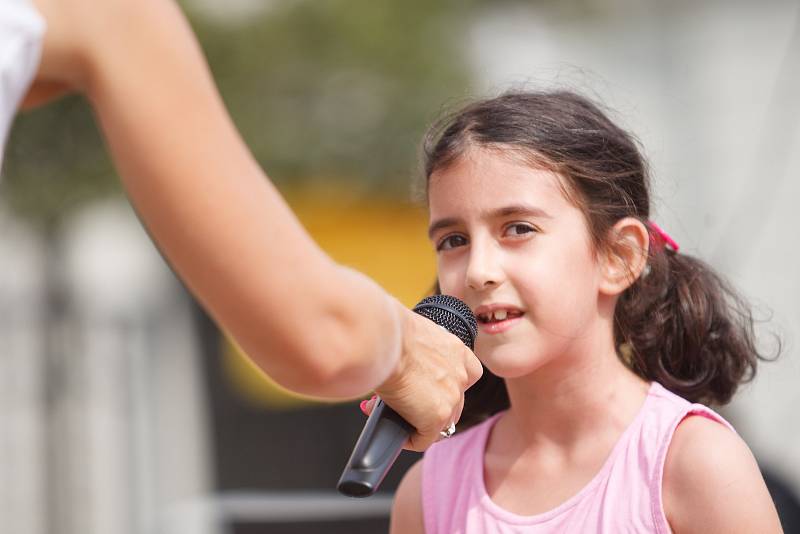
x,y
498,327
488,312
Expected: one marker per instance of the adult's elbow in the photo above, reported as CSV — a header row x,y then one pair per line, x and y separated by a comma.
x,y
345,358
346,346
343,364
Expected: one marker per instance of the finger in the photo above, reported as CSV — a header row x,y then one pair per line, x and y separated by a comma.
x,y
422,438
368,405
458,411
474,368
425,437
420,442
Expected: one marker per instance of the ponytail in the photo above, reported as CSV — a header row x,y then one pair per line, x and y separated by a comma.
x,y
682,325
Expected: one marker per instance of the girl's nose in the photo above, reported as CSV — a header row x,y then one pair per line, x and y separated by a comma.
x,y
483,270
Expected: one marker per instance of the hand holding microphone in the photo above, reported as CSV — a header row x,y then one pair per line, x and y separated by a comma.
x,y
426,391
433,364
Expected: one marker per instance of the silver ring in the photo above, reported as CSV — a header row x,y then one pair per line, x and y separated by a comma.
x,y
449,431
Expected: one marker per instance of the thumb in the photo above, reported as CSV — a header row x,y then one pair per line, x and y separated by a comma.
x,y
368,405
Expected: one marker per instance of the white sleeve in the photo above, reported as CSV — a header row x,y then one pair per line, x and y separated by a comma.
x,y
21,32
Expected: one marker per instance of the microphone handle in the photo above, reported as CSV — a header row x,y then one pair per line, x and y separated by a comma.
x,y
377,448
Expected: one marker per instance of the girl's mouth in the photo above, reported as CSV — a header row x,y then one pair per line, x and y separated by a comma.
x,y
498,320
498,315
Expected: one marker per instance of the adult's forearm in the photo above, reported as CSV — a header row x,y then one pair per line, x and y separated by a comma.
x,y
312,326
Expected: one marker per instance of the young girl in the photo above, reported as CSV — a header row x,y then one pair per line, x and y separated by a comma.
x,y
598,338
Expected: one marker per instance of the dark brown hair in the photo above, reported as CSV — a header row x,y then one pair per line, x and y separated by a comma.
x,y
679,324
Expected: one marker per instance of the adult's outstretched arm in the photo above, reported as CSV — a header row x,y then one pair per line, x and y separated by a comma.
x,y
314,326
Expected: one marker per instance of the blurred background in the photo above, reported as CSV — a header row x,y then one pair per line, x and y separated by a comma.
x,y
125,410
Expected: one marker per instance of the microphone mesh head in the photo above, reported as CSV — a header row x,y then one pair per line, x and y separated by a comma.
x,y
451,314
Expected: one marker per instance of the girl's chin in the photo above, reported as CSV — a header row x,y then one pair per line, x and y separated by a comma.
x,y
508,362
511,369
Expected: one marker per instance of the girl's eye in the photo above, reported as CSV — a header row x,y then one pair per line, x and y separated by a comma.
x,y
451,241
518,229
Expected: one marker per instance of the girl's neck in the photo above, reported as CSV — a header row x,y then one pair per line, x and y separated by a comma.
x,y
574,397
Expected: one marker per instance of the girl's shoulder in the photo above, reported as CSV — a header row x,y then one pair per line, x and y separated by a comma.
x,y
407,515
445,466
711,482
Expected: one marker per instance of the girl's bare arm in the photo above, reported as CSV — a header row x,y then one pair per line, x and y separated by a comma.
x,y
407,507
712,483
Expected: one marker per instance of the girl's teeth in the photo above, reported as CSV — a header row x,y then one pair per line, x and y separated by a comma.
x,y
500,315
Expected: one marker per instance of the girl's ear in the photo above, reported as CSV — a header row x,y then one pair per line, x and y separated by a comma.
x,y
624,261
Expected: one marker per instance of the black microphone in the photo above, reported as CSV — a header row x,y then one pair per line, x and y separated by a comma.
x,y
386,432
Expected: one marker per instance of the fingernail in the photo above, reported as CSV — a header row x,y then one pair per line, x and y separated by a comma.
x,y
363,407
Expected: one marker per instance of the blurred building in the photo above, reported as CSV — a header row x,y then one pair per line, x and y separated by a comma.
x,y
102,396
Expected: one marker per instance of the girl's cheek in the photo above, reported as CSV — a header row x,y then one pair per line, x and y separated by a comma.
x,y
449,289
448,282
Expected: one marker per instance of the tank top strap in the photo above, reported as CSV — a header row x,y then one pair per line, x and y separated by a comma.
x,y
665,415
448,471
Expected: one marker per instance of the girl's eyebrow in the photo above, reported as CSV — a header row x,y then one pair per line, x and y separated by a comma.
x,y
520,209
441,223
505,211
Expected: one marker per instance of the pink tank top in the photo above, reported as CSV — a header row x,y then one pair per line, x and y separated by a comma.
x,y
624,496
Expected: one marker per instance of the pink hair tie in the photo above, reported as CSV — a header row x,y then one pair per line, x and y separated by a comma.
x,y
663,237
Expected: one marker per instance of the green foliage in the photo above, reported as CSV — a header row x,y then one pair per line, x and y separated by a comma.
x,y
55,162
321,90
340,89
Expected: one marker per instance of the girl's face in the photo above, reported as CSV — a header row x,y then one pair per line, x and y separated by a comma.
x,y
519,254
